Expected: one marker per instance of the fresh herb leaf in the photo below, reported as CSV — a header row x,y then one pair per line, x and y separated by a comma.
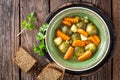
x,y
40,36
28,23
41,48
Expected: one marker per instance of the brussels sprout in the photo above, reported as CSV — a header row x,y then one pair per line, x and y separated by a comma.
x,y
92,47
69,33
63,47
79,51
80,24
75,36
91,29
65,29
86,19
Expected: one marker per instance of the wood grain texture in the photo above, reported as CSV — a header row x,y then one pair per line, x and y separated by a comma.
x,y
57,3
12,12
106,70
28,38
9,27
116,57
53,5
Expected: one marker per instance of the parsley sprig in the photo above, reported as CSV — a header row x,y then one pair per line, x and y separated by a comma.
x,y
28,23
41,48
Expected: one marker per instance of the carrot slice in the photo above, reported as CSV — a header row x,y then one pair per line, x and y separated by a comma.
x,y
69,53
66,23
78,43
72,20
97,38
62,35
85,56
87,41
83,32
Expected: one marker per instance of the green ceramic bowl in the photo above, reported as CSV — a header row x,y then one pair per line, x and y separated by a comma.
x,y
98,56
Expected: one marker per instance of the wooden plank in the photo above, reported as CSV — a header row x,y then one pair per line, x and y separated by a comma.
x,y
57,3
53,5
28,39
116,57
106,70
9,27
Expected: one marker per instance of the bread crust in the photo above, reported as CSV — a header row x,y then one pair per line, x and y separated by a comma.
x,y
24,60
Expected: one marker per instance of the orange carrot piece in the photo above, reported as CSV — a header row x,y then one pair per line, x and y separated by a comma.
x,y
78,43
97,38
62,35
85,56
72,20
69,53
87,42
83,32
93,40
66,23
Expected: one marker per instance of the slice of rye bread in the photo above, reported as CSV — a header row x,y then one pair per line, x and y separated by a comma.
x,y
51,72
24,60
54,65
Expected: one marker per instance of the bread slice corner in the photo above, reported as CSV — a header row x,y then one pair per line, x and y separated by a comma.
x,y
24,60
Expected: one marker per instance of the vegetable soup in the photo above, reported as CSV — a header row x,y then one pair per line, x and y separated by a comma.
x,y
77,38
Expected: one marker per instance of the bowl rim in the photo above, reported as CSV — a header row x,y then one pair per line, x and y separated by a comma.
x,y
105,20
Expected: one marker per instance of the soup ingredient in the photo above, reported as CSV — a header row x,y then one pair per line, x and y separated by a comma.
x,y
74,28
81,25
91,46
83,38
83,32
58,41
65,29
75,36
28,23
41,48
91,29
85,56
72,20
78,43
69,53
86,19
95,39
63,47
79,51
66,23
87,41
62,35
82,35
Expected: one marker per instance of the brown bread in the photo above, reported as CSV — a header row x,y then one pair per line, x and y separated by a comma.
x,y
51,72
24,60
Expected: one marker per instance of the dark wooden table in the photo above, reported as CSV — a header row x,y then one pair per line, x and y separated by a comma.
x,y
12,12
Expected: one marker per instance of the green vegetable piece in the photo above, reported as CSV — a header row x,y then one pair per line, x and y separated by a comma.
x,y
75,36
91,29
91,46
63,47
79,51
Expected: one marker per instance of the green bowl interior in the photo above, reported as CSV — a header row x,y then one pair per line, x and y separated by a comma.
x,y
98,56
